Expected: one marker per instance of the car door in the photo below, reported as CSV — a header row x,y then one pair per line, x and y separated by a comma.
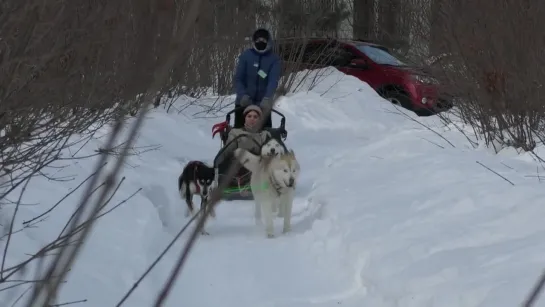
x,y
311,57
331,53
340,56
368,73
315,55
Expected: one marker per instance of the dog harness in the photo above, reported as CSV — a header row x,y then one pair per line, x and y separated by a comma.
x,y
275,185
195,164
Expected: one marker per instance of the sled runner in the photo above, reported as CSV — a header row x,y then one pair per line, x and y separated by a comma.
x,y
239,186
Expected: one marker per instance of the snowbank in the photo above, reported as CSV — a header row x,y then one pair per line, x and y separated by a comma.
x,y
387,214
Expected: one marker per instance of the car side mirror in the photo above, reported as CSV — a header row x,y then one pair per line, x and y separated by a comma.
x,y
359,63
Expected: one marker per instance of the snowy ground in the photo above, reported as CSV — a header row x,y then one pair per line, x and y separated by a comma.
x,y
387,214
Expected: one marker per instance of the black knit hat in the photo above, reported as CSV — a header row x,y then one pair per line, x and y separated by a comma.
x,y
261,33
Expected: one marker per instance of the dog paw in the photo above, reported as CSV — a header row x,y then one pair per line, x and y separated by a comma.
x,y
270,235
286,229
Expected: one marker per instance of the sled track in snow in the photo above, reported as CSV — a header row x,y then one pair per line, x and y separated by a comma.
x,y
156,194
234,218
349,296
302,220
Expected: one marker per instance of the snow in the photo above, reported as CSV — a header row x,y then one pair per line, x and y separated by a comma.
x,y
387,214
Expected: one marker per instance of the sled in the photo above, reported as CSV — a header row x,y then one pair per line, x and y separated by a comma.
x,y
239,186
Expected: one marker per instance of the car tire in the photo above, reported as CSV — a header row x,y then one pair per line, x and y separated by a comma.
x,y
399,98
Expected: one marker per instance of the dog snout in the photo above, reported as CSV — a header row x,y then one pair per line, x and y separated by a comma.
x,y
273,151
291,182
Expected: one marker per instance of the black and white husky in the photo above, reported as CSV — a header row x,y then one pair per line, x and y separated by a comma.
x,y
196,179
273,146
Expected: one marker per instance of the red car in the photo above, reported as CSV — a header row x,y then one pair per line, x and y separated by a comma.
x,y
397,82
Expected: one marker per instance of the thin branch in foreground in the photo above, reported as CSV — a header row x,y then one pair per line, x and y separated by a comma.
x,y
78,210
418,122
45,293
495,173
21,296
539,178
65,196
80,227
534,294
507,166
68,303
157,260
10,232
442,147
30,225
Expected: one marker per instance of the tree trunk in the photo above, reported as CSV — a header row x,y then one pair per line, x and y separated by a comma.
x,y
388,22
439,26
363,16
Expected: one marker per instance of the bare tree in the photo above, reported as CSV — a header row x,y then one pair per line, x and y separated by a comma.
x,y
363,18
499,85
71,68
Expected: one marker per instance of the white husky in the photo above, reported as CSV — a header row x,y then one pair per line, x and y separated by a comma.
x,y
273,184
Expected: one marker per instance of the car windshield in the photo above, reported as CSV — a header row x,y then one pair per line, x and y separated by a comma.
x,y
380,56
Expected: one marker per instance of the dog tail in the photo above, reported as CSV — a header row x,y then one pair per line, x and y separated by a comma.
x,y
180,182
188,196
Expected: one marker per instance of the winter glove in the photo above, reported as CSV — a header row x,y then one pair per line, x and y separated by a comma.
x,y
245,101
266,105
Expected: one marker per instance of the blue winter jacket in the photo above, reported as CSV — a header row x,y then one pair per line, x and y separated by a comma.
x,y
248,80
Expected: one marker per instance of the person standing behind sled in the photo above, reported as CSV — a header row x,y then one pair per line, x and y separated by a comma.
x,y
257,76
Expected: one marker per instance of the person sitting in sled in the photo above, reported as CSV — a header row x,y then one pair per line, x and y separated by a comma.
x,y
256,77
254,137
